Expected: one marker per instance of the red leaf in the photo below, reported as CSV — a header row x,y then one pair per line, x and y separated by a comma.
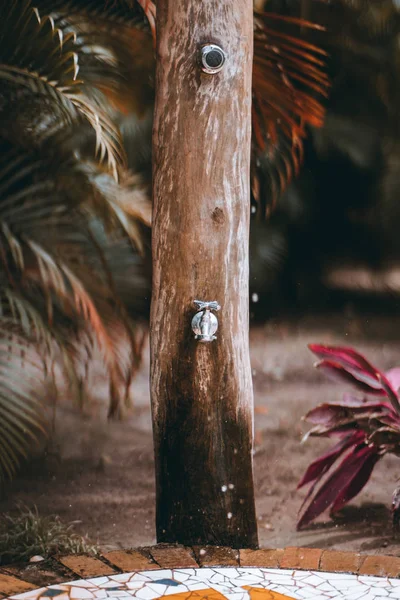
x,y
324,462
391,393
393,377
325,414
347,365
390,419
335,413
347,357
336,484
350,401
363,382
358,482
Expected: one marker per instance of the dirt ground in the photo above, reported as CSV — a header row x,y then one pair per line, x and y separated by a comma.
x,y
104,478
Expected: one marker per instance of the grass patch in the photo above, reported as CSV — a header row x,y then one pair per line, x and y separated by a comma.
x,y
28,534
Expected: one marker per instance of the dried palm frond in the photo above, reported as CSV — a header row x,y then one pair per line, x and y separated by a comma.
x,y
289,82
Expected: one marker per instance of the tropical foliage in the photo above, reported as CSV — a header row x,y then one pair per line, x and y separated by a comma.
x,y
72,217
76,100
289,82
366,427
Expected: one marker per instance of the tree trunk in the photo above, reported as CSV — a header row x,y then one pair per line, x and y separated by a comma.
x,y
202,397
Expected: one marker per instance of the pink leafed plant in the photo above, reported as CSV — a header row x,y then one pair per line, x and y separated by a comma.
x,y
365,428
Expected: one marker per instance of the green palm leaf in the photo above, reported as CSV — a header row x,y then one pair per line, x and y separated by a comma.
x,y
22,387
65,222
126,12
47,209
115,54
39,66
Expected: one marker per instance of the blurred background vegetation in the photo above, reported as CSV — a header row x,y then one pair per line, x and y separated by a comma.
x,y
76,104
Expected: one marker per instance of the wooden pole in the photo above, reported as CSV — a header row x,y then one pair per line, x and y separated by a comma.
x,y
202,398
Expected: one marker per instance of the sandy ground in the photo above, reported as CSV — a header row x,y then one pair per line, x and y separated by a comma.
x,y
101,474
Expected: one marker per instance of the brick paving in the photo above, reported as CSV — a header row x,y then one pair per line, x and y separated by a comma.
x,y
19,579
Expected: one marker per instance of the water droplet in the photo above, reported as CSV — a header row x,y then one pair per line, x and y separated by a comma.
x,y
202,552
231,486
254,297
224,488
253,210
229,515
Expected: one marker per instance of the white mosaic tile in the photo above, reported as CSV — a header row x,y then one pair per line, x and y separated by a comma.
x,y
253,572
278,571
247,579
325,587
222,583
159,574
33,594
140,577
181,575
358,595
176,590
123,577
76,593
135,585
312,579
146,593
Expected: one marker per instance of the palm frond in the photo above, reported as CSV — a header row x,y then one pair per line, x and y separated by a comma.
x,y
124,12
39,66
22,387
116,54
289,82
119,61
42,190
50,249
126,205
66,224
72,220
32,254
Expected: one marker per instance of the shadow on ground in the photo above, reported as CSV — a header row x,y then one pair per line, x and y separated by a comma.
x,y
101,474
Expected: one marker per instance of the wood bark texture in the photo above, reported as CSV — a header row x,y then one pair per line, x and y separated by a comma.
x,y
202,397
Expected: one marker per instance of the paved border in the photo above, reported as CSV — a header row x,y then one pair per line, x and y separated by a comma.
x,y
16,579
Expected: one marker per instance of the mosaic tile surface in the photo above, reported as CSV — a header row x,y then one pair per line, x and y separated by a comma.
x,y
221,583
